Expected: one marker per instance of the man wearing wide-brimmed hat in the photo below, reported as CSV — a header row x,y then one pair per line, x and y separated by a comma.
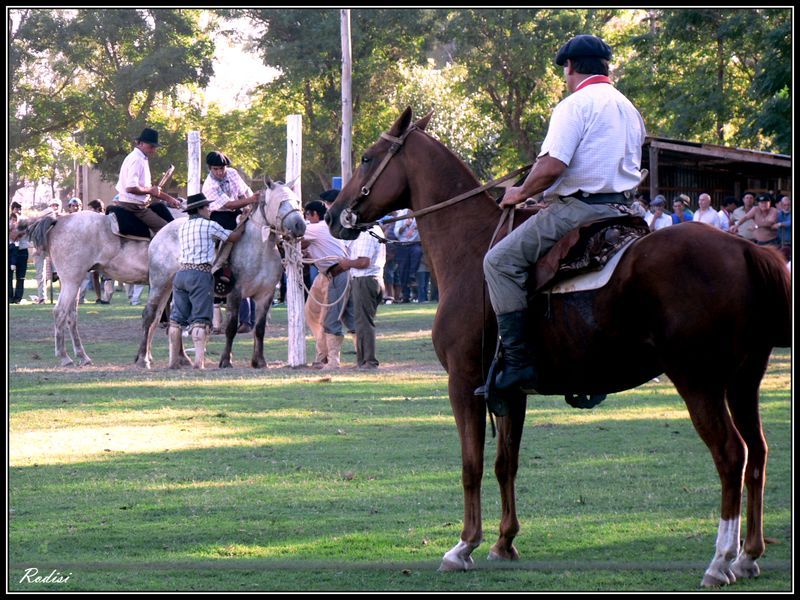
x,y
193,287
135,187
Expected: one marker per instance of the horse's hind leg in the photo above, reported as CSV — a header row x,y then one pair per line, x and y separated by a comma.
x,y
706,404
66,317
156,303
743,404
509,437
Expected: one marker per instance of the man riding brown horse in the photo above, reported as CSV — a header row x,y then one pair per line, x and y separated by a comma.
x,y
589,165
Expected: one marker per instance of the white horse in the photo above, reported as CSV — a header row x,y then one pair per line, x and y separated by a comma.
x,y
77,243
255,263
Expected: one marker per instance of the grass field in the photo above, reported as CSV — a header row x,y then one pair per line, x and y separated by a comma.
x,y
122,479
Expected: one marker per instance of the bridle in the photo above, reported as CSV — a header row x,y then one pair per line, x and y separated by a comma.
x,y
349,219
270,210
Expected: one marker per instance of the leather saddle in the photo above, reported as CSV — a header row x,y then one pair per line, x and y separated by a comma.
x,y
127,225
586,248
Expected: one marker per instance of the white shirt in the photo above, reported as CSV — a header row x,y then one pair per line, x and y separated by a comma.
x,y
323,244
598,134
708,216
135,172
369,247
663,221
724,220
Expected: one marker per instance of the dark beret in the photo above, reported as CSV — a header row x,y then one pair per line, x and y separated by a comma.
x,y
217,159
583,45
329,195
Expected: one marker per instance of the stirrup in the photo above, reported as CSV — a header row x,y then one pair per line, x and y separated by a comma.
x,y
496,404
584,401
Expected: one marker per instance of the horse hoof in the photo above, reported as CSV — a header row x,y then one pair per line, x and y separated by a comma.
x,y
745,567
717,579
495,555
67,362
456,564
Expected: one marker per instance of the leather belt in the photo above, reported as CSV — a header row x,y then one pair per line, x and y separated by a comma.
x,y
205,267
605,198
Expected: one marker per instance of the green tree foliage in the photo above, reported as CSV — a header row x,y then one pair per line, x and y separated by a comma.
x,y
83,83
508,55
103,74
711,75
306,46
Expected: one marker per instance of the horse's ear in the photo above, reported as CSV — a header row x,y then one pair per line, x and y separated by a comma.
x,y
423,122
401,124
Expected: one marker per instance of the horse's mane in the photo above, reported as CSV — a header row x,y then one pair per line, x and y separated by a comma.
x,y
37,231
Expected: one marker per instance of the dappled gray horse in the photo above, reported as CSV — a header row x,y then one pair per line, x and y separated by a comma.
x,y
255,262
77,243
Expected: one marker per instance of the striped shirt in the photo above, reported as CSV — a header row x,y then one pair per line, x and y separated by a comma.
x,y
367,246
196,240
221,191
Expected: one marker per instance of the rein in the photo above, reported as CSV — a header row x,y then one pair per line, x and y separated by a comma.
x,y
350,221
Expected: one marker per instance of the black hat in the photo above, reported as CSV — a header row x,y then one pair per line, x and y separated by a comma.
x,y
196,201
217,159
583,45
329,195
149,136
764,198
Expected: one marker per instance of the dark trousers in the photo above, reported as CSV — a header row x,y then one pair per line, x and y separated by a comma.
x,y
192,298
19,258
366,293
408,259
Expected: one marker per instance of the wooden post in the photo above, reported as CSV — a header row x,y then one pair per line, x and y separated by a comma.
x,y
653,172
347,103
193,182
295,299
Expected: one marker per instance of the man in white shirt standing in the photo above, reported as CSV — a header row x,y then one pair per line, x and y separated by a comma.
x,y
590,164
367,257
706,214
327,252
135,186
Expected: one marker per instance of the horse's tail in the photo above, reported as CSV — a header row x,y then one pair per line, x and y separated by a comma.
x,y
770,276
37,231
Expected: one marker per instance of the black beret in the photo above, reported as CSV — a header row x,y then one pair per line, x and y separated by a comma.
x,y
329,195
217,159
583,45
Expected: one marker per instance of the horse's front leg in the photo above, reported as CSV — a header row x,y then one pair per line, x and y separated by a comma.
x,y
232,303
470,415
262,310
509,436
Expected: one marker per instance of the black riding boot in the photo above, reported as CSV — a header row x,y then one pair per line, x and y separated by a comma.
x,y
518,372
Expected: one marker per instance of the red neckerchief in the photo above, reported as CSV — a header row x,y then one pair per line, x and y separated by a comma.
x,y
593,79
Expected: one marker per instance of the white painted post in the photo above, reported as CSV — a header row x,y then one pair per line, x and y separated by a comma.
x,y
193,184
295,299
347,103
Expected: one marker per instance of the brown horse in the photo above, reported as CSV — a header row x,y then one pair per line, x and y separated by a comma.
x,y
702,306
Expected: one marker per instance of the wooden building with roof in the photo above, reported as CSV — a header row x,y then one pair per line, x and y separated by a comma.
x,y
678,167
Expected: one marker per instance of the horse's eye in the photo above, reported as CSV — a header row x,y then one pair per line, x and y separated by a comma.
x,y
365,159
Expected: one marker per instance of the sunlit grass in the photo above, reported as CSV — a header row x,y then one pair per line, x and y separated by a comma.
x,y
196,473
